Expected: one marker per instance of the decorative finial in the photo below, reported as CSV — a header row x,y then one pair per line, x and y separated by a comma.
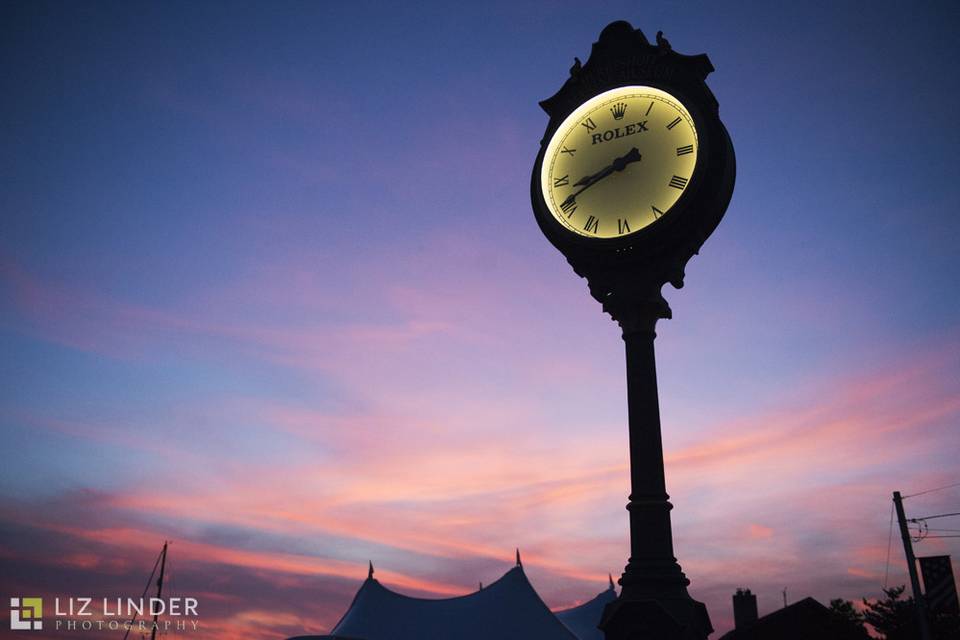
x,y
370,571
610,575
519,564
662,42
481,585
575,69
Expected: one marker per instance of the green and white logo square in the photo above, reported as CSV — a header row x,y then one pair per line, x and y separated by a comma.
x,y
26,614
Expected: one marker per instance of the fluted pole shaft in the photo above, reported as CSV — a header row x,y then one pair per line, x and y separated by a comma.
x,y
652,566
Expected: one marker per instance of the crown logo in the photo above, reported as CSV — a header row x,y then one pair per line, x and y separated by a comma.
x,y
618,110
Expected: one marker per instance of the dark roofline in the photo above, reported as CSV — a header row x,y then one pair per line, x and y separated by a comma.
x,y
773,616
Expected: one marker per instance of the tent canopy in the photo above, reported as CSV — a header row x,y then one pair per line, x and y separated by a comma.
x,y
508,609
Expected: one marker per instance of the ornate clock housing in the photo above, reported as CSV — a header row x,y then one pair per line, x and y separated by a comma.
x,y
635,169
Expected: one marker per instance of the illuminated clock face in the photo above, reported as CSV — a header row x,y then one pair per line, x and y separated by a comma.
x,y
619,162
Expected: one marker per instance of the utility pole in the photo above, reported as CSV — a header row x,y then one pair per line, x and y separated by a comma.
x,y
918,598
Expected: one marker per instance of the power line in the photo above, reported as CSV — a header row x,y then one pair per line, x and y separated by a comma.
x,y
939,515
886,572
949,486
923,531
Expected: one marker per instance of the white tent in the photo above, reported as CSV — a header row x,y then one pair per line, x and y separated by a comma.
x,y
508,609
583,619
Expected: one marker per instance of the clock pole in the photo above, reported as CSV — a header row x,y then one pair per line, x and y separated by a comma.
x,y
651,539
626,273
654,601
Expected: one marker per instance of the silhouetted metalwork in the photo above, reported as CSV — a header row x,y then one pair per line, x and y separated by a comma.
x,y
625,274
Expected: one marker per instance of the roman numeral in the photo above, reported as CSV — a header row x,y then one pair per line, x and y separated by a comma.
x,y
678,183
656,212
648,108
561,182
682,151
568,151
588,123
623,226
592,225
675,122
568,206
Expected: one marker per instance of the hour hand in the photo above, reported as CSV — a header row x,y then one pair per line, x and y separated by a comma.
x,y
584,181
619,164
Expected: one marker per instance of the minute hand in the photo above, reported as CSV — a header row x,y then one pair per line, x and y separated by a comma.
x,y
617,165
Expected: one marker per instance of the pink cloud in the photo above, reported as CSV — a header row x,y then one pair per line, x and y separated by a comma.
x,y
432,467
758,531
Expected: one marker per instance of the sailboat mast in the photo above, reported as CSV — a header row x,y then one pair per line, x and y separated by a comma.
x,y
163,564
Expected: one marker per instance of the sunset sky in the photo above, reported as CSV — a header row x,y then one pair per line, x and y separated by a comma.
x,y
271,288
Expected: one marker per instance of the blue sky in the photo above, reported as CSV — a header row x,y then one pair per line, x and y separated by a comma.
x,y
270,274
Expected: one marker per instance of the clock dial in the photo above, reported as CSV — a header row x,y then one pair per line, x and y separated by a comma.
x,y
619,162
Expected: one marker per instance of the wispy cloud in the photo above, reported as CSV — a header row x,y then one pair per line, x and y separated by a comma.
x,y
790,496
